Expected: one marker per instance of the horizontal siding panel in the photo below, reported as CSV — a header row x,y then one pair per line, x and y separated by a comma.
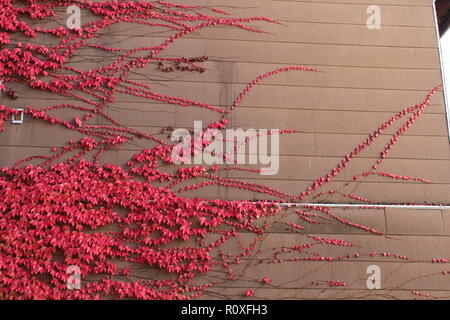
x,y
322,12
293,32
404,223
220,293
335,77
415,222
280,97
415,246
302,275
316,121
305,144
379,192
334,121
314,12
310,168
286,53
423,3
385,191
418,147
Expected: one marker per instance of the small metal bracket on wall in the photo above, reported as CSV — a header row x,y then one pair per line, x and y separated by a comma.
x,y
17,118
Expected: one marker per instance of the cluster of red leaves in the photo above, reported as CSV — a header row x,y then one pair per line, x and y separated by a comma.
x,y
68,210
113,222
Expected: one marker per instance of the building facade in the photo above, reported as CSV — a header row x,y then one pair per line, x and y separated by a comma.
x,y
375,59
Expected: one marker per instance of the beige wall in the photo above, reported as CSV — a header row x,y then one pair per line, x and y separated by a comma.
x,y
368,75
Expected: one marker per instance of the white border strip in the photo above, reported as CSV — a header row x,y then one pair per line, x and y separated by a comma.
x,y
446,98
366,206
344,205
